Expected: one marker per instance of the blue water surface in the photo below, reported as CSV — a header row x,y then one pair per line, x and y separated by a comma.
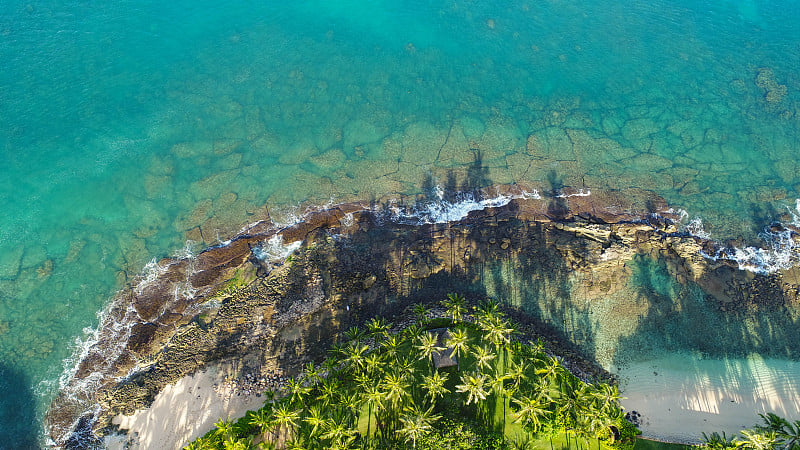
x,y
128,128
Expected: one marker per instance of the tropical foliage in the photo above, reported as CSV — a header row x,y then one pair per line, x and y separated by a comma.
x,y
381,389
775,432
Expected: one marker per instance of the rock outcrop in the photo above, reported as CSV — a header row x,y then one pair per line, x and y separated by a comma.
x,y
590,270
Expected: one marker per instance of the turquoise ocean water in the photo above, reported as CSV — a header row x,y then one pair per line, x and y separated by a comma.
x,y
128,128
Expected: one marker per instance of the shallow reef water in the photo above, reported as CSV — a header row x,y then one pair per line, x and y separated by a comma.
x,y
131,128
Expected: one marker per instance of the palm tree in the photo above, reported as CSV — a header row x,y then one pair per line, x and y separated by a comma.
x,y
791,435
608,397
373,397
395,388
238,444
434,385
224,429
455,307
758,439
459,342
311,374
390,346
551,369
298,391
354,356
715,441
329,390
339,434
487,310
427,346
483,357
355,334
262,419
787,434
315,419
416,424
372,362
530,412
378,327
420,311
286,420
516,373
497,331
474,385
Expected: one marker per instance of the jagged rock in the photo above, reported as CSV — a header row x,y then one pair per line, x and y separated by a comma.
x,y
601,271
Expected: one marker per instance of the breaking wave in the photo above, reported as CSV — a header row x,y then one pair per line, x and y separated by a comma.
x,y
442,210
274,250
781,250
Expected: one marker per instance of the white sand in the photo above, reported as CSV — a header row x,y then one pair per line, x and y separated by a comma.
x,y
182,412
680,397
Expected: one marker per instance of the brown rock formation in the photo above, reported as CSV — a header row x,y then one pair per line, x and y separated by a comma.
x,y
590,270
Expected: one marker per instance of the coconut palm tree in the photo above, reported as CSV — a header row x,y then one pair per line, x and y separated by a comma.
x,y
224,429
395,387
262,419
286,420
483,357
791,435
310,374
434,385
551,369
420,311
298,391
474,385
427,346
455,307
372,363
374,398
390,347
338,434
516,373
716,441
459,342
416,424
354,356
758,439
329,390
608,398
530,412
378,327
787,434
497,331
315,419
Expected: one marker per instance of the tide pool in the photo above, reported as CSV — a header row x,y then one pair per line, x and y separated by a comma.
x,y
131,128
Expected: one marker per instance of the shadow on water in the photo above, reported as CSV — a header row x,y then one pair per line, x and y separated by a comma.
x,y
682,317
18,426
716,353
557,207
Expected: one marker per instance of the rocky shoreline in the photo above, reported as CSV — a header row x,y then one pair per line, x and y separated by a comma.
x,y
570,266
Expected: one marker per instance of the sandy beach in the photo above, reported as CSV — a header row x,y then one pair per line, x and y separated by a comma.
x,y
680,397
183,412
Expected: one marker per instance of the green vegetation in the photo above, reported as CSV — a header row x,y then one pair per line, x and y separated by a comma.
x,y
775,433
241,278
458,383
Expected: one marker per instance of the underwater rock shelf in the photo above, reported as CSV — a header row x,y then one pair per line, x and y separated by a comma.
x,y
592,271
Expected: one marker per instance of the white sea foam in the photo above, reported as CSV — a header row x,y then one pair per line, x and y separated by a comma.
x,y
580,193
151,272
274,250
441,210
695,228
781,252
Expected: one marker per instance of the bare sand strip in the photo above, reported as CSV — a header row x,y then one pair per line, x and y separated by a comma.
x,y
183,412
679,397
